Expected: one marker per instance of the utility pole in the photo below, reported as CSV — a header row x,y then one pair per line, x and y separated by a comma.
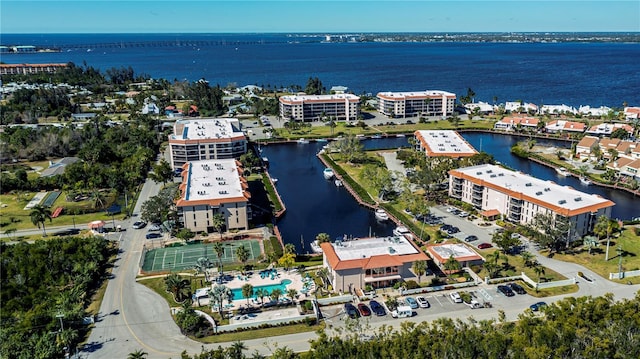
x,y
619,251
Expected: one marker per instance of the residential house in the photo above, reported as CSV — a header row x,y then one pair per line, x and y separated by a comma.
x,y
562,126
513,123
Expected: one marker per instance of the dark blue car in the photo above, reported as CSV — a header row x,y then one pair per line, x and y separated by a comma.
x,y
377,308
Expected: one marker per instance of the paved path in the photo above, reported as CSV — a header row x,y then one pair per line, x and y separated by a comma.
x,y
134,317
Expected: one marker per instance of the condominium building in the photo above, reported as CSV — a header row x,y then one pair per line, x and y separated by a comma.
x,y
205,139
306,108
411,104
379,262
210,187
23,69
519,197
443,143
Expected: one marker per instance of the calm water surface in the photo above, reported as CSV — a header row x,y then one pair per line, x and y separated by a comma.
x,y
315,205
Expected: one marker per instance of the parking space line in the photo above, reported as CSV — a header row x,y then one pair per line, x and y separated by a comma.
x,y
437,300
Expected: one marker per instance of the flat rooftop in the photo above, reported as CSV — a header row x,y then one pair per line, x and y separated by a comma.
x,y
459,251
212,179
369,247
416,94
208,128
444,143
532,189
319,98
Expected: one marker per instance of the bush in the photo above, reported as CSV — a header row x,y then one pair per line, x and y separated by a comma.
x,y
412,284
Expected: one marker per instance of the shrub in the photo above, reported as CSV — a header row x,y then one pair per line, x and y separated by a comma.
x,y
412,284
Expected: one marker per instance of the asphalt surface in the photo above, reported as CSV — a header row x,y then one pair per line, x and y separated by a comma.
x,y
133,317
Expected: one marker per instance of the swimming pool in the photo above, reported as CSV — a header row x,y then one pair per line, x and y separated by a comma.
x,y
237,292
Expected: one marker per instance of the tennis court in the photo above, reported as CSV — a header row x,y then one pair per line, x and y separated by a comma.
x,y
185,257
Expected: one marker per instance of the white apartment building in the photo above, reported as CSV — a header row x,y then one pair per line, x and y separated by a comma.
x,y
519,197
210,187
411,104
306,108
205,139
443,143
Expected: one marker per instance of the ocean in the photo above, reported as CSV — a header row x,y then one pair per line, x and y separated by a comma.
x,y
574,74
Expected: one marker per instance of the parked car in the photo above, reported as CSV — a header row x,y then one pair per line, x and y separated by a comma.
x,y
471,238
422,302
463,214
484,245
152,235
455,297
364,310
453,230
505,290
377,308
412,302
139,224
154,227
517,288
351,310
537,306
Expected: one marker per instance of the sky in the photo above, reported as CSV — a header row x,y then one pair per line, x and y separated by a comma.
x,y
327,16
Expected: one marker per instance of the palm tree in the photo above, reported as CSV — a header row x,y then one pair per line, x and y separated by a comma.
x,y
39,214
419,268
451,265
243,255
235,350
202,264
176,285
218,222
219,248
260,294
276,294
292,293
323,237
218,294
247,291
539,270
289,248
527,257
605,226
138,354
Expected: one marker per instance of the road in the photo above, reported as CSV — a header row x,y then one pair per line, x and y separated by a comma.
x,y
133,317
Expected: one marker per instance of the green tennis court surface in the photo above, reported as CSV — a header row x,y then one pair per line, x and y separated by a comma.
x,y
185,257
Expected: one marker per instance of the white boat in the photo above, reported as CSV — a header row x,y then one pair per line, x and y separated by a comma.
x,y
274,180
401,231
303,141
400,135
338,183
328,173
381,215
315,247
562,171
322,140
376,137
585,181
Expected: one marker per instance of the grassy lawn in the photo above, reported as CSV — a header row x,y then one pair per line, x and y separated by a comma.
x,y
259,333
342,128
628,241
14,216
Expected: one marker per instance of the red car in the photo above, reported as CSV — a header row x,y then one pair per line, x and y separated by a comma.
x,y
484,245
364,310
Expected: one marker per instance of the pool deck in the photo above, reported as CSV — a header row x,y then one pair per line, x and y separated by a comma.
x,y
256,280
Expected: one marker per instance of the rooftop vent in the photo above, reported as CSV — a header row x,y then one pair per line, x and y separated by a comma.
x,y
528,184
539,193
578,199
479,173
500,174
547,189
562,201
493,176
489,171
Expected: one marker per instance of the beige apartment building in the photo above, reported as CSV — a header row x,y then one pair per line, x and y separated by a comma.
x,y
205,139
307,108
210,187
519,197
412,104
379,262
443,143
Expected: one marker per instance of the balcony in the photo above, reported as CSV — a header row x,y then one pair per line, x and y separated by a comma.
x,y
477,202
456,194
517,210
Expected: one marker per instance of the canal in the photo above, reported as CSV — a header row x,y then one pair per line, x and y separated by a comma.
x,y
315,205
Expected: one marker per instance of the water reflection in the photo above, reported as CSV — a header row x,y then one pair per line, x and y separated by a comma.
x,y
315,205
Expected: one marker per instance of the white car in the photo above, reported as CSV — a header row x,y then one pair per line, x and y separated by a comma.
x,y
455,297
422,302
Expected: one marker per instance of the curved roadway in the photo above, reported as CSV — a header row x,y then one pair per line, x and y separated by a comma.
x,y
133,317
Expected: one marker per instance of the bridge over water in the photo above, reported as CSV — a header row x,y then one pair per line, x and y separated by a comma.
x,y
162,43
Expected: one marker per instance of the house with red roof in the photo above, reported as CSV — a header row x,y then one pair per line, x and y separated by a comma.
x,y
378,262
